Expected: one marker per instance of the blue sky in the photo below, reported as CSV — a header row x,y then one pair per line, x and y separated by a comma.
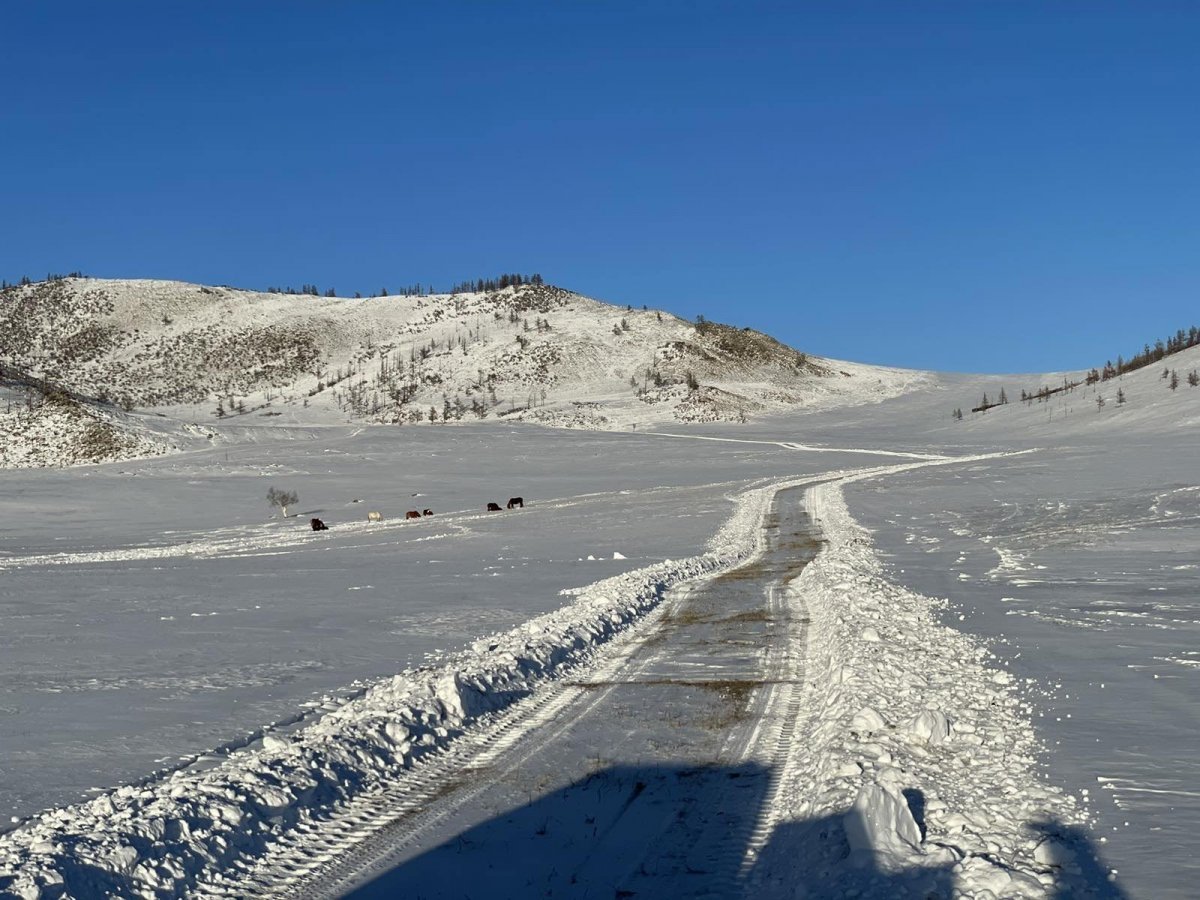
x,y
974,186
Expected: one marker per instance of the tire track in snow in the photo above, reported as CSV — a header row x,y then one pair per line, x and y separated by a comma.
x,y
359,841
372,834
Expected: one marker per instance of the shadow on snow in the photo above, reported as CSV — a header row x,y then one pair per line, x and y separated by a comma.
x,y
677,831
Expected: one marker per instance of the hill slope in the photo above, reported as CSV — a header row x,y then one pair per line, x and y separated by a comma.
x,y
42,424
533,352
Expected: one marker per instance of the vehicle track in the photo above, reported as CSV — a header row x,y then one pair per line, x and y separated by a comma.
x,y
742,695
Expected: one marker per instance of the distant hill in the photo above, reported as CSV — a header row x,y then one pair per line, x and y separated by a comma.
x,y
532,352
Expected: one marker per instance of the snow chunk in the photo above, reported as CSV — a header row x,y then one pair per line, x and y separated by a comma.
x,y
930,727
275,742
867,720
880,827
1053,852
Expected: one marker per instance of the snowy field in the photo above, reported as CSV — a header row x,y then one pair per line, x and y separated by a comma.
x,y
155,611
1083,565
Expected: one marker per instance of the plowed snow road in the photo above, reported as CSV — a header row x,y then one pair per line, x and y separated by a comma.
x,y
651,774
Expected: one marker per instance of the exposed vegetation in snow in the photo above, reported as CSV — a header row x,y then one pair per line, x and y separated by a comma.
x,y
41,425
525,351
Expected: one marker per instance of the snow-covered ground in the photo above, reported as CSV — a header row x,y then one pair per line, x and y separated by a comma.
x,y
164,629
156,609
868,723
1082,565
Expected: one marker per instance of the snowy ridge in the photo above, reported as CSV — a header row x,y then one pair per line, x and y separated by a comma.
x,y
156,839
901,707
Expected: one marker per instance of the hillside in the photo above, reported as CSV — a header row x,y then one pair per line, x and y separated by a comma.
x,y
1069,404
534,352
45,425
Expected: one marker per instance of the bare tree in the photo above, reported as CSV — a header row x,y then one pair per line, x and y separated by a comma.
x,y
282,499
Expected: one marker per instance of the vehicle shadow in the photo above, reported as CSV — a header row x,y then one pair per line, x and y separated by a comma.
x,y
1082,872
676,831
622,831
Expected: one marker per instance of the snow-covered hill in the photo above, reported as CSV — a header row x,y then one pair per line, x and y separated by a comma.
x,y
44,425
1146,399
533,352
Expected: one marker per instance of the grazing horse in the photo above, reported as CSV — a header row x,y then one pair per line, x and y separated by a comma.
x,y
412,514
427,512
514,502
493,507
318,525
374,516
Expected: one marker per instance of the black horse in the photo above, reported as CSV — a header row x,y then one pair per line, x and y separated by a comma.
x,y
514,502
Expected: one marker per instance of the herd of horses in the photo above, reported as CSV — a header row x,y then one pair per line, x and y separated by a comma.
x,y
376,516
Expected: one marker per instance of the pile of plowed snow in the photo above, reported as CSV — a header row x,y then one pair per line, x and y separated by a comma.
x,y
915,741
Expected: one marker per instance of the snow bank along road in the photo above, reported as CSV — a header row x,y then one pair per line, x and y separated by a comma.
x,y
854,744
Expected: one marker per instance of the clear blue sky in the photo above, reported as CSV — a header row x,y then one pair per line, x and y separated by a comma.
x,y
998,186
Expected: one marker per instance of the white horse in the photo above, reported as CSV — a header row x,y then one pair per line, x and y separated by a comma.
x,y
374,516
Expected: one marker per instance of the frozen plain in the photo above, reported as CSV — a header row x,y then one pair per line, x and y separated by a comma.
x,y
164,544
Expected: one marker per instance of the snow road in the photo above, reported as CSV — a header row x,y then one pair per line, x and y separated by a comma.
x,y
696,756
898,720
647,773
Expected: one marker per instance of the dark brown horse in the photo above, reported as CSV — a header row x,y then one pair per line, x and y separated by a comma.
x,y
427,512
514,502
493,507
318,525
412,514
